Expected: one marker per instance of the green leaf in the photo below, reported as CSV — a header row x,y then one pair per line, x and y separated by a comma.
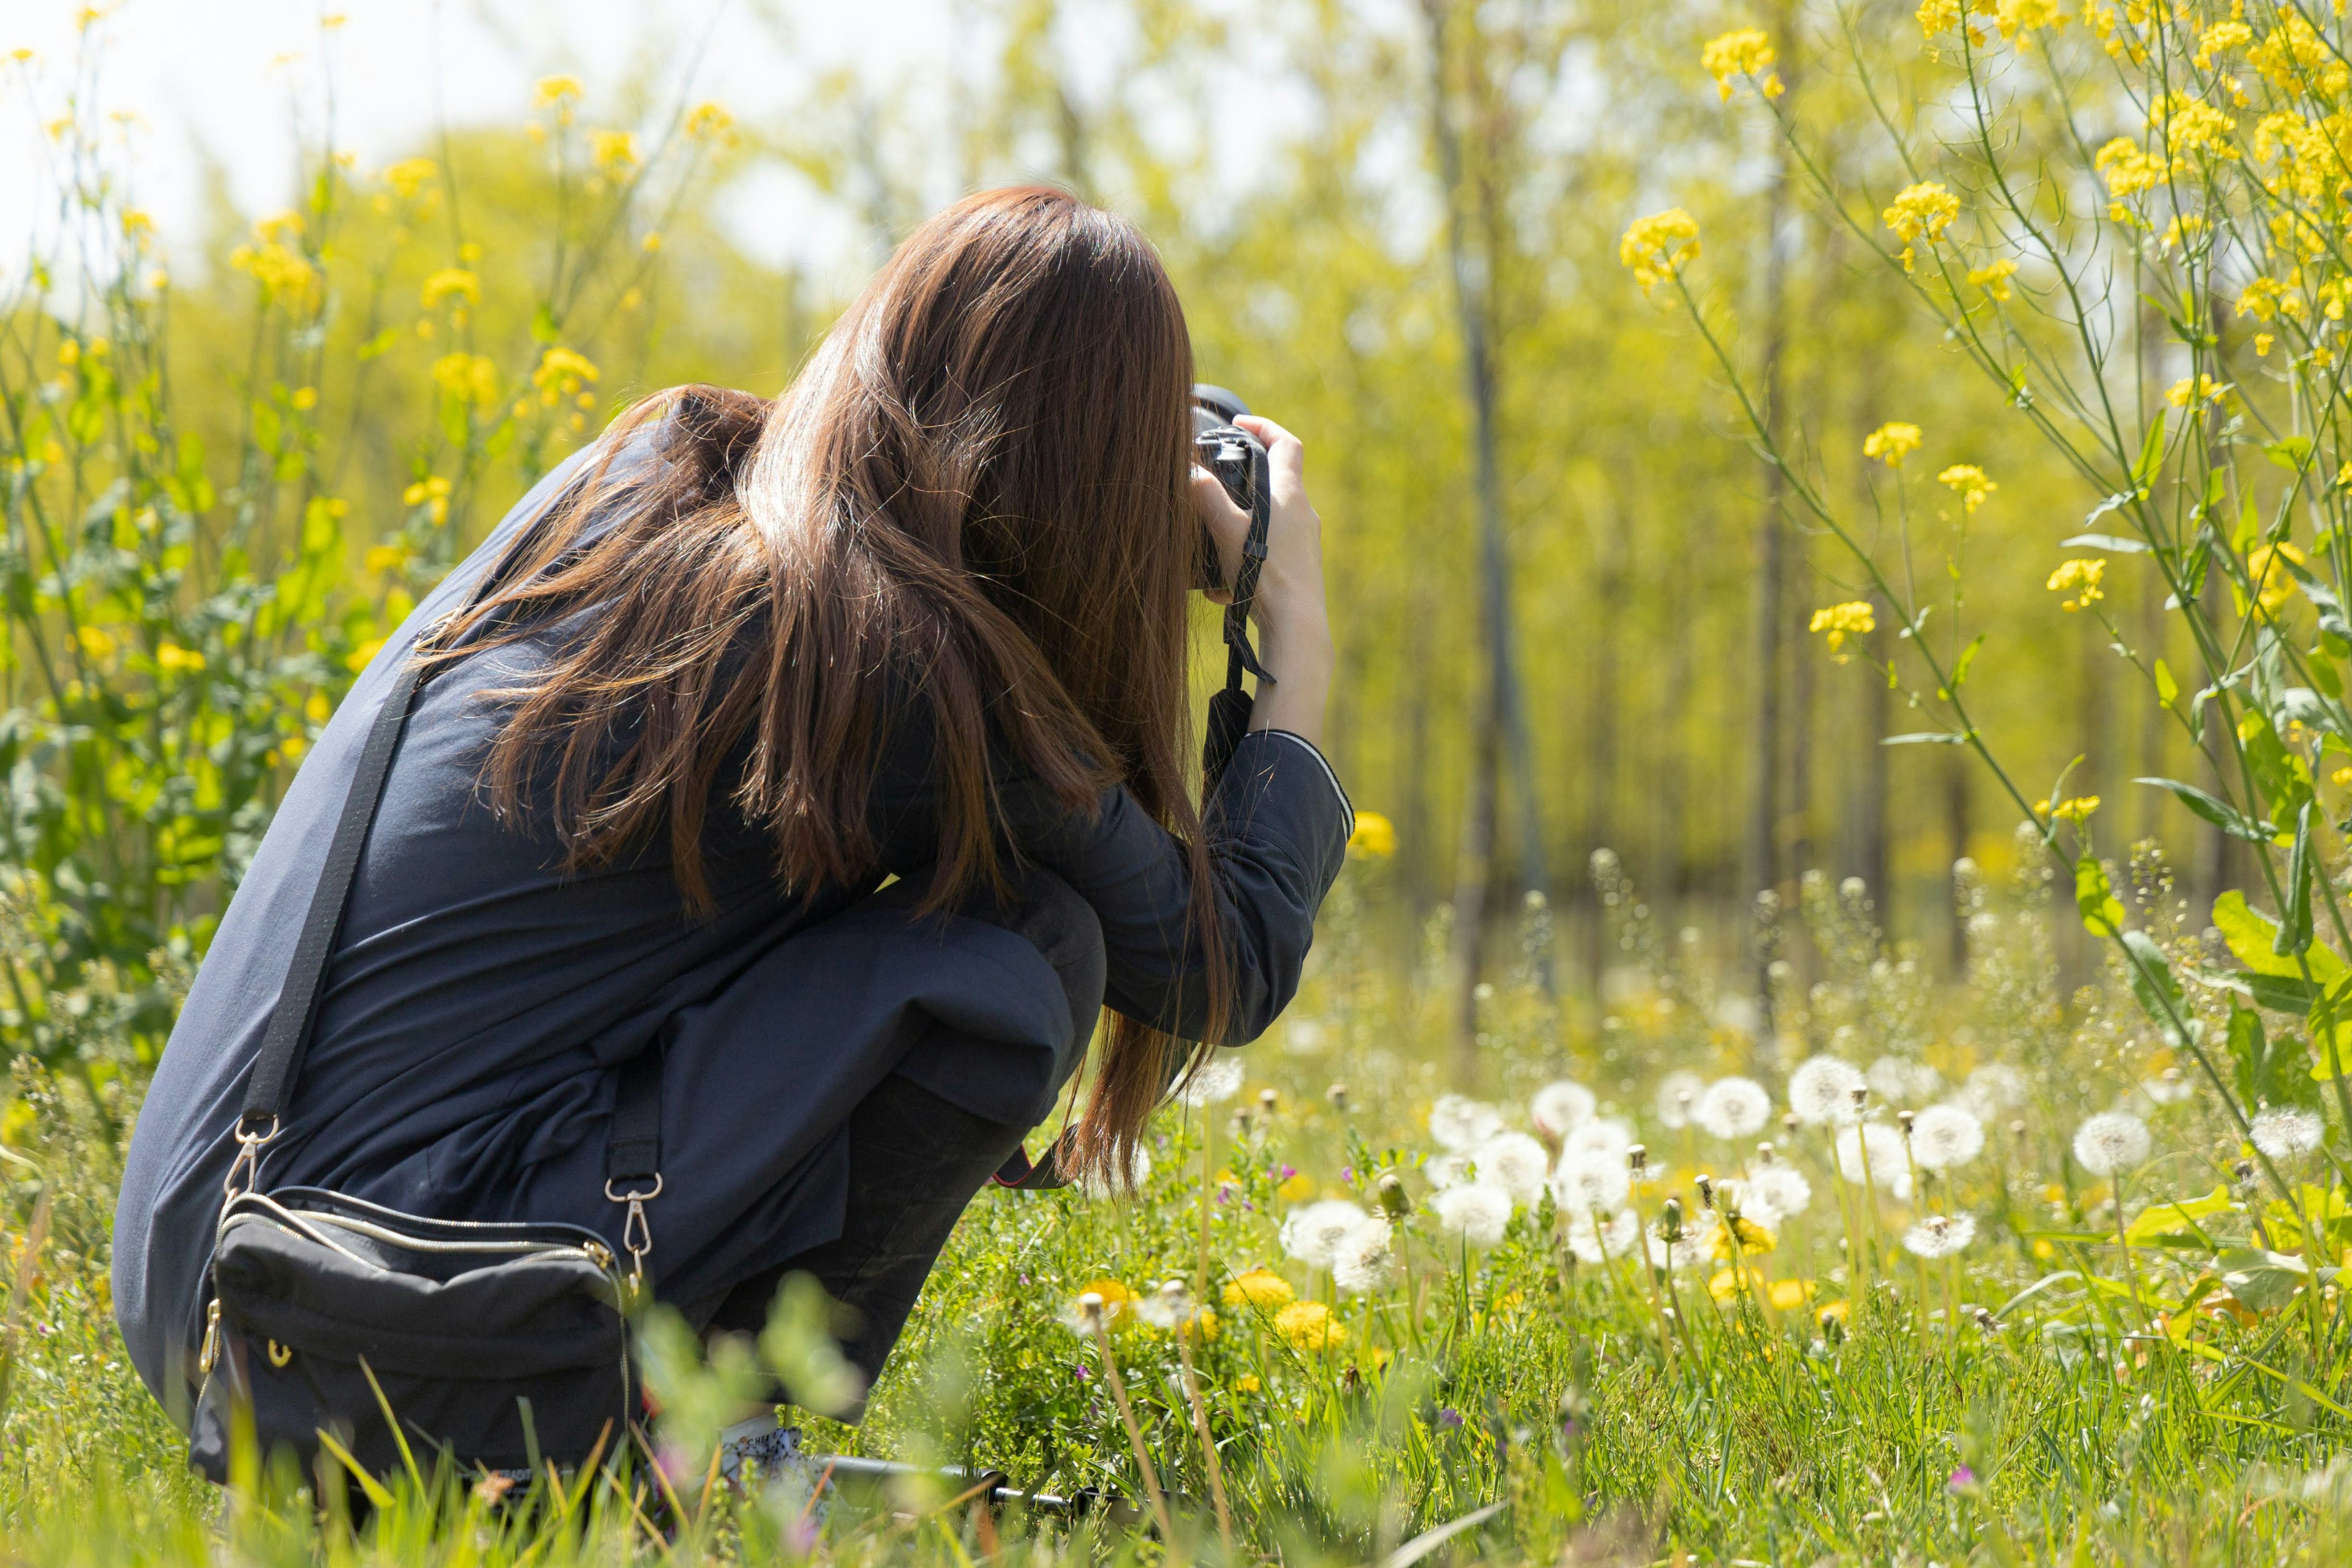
x,y
2294,936
2218,812
1926,738
1967,657
2168,689
2289,452
2176,1218
2263,1279
2094,896
2151,453
2153,983
2109,542
2248,528
2281,992
2249,935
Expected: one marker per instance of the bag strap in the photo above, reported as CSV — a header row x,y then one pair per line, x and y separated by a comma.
x,y
1228,709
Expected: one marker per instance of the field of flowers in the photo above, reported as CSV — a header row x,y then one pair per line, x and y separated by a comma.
x,y
2017,1258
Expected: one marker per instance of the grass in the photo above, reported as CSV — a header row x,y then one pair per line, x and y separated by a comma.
x,y
1848,1421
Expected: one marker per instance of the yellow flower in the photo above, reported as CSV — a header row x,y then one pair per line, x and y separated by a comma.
x,y
468,378
2015,16
2275,585
450,281
2219,38
1835,1309
1922,211
1375,837
615,152
1311,1326
1728,1283
564,370
386,557
557,89
173,659
1789,1294
709,120
408,177
1744,51
1298,1189
2262,298
2191,125
1993,277
2079,578
2200,389
2296,58
2072,810
431,493
1260,1287
2341,777
1753,1239
136,226
1841,621
1970,483
1119,1301
68,352
1248,1384
285,274
98,644
1938,16
1890,444
1657,246
2127,169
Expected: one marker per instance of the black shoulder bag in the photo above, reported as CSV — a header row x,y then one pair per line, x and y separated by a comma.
x,y
338,1323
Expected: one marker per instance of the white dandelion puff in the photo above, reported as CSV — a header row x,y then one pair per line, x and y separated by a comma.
x,y
1516,1162
1881,1148
1589,1179
1945,1137
2111,1143
1678,1094
1821,1092
1091,1185
1460,1123
1608,1241
1364,1260
1901,1082
1732,1108
1993,1088
1778,1185
1218,1078
1445,1171
1602,1135
2284,1132
1311,1233
1477,1212
2170,1087
1558,1109
1940,1235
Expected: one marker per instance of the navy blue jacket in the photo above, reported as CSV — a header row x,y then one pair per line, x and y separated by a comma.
x,y
479,999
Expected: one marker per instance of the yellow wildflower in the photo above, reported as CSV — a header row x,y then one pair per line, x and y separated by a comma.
x,y
432,493
1753,1239
2263,341
1993,277
1375,837
1657,246
2267,570
1119,1301
561,369
1921,211
472,378
1309,1326
560,93
1938,16
1853,619
2015,16
136,226
1890,444
2219,38
709,120
285,274
98,644
2200,389
2191,125
173,659
1968,482
68,352
2079,578
1789,1294
386,557
2262,298
2127,169
408,177
614,152
2341,778
450,281
2072,810
1743,51
1260,1287
2296,58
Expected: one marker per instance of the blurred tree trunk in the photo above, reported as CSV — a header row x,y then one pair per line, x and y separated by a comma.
x,y
1500,714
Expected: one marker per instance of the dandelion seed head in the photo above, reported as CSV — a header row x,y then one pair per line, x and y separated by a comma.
x,y
1602,1135
1779,1186
1093,1185
1901,1082
1460,1124
1445,1171
1945,1137
1516,1162
1878,1147
1610,1240
1364,1260
1475,1212
1678,1092
1589,1179
1309,1233
1993,1088
2111,1143
1217,1079
1940,1235
1558,1109
1732,1108
1821,1092
2285,1132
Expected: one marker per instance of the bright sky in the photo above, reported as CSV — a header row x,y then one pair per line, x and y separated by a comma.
x,y
222,83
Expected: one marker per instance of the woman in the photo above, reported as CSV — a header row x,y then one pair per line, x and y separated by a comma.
x,y
835,749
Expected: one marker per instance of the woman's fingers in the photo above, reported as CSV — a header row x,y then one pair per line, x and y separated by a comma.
x,y
1228,524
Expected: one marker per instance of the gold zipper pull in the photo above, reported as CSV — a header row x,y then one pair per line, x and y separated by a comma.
x,y
211,1352
598,1253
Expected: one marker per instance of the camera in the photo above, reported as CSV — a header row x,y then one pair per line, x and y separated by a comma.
x,y
1231,453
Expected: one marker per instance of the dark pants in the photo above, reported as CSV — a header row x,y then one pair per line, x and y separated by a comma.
x,y
916,1158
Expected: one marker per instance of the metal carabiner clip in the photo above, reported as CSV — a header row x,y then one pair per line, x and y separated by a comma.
x,y
636,1233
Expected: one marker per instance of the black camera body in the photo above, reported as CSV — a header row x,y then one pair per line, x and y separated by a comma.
x,y
1231,453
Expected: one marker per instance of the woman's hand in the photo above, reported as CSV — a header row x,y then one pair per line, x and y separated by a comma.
x,y
1294,624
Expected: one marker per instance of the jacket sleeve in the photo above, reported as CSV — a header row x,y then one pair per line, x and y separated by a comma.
x,y
1277,832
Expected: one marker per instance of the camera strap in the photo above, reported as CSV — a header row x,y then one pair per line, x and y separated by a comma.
x,y
1228,709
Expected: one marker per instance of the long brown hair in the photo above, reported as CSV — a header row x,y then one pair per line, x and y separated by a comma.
x,y
975,492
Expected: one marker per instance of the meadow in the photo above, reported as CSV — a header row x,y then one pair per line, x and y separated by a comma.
x,y
1916,1131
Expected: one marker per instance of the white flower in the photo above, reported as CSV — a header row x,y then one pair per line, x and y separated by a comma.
x,y
1881,1148
1940,1235
1218,1078
1364,1260
2170,1087
1779,1186
1310,1233
1663,1254
1602,1135
1678,1094
1900,1082
1305,1038
1093,1186
1606,1242
1732,1108
1516,1162
1735,1195
2282,1132
1590,1180
1477,1212
1165,1308
1445,1171
1821,1092
1991,1089
1558,1109
1945,1136
2110,1143
1461,1124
